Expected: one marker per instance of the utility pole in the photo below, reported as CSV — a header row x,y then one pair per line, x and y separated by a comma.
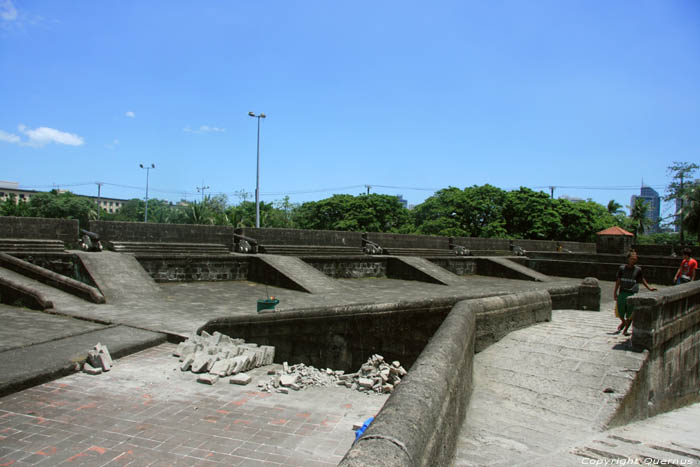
x,y
99,199
368,188
201,189
551,189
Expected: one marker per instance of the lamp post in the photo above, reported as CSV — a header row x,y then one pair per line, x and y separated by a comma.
x,y
148,169
257,173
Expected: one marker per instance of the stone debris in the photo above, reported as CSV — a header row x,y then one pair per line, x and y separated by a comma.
x,y
374,376
91,370
219,355
207,379
240,378
98,358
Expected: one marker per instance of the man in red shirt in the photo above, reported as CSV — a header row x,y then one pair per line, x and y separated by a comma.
x,y
686,272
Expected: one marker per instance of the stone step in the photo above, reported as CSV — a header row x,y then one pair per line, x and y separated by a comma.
x,y
30,245
168,248
304,276
311,250
418,252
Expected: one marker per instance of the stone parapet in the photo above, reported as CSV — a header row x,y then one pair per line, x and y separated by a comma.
x,y
51,278
65,230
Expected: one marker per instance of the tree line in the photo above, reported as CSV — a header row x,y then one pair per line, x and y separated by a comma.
x,y
475,211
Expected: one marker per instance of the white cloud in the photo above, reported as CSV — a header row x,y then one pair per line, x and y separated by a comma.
x,y
204,129
130,114
44,135
8,137
8,12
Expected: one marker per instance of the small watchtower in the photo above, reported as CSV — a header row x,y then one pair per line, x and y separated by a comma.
x,y
614,240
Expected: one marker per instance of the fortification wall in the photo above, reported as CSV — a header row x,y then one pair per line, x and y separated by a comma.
x,y
65,230
303,237
389,240
667,326
164,233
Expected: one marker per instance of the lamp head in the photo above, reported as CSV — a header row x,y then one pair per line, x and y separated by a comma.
x,y
251,114
262,115
141,165
153,166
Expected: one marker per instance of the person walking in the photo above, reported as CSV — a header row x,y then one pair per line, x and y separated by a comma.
x,y
629,276
688,268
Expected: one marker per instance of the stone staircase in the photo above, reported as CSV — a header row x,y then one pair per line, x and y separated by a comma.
x,y
302,275
311,250
22,245
423,252
433,271
163,248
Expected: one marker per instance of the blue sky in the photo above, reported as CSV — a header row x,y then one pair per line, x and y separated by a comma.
x,y
415,95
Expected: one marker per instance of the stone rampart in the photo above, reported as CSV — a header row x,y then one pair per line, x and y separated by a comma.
x,y
51,278
179,268
16,294
667,326
390,240
65,230
474,243
553,245
302,237
164,233
419,423
349,268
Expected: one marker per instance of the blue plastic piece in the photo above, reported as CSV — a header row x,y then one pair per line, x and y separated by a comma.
x,y
360,431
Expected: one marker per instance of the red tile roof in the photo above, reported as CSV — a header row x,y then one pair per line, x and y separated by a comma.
x,y
615,231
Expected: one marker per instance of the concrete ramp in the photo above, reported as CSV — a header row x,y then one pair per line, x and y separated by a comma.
x,y
434,273
292,273
119,276
504,267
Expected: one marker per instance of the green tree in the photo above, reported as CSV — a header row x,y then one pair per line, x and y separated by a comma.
x,y
476,211
614,207
581,220
11,207
372,213
691,213
679,189
638,214
64,205
532,215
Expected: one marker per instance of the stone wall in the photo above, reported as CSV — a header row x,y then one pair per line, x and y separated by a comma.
x,y
178,268
614,244
656,271
164,233
460,265
349,268
473,243
303,237
65,230
16,294
550,245
388,240
66,264
420,422
667,325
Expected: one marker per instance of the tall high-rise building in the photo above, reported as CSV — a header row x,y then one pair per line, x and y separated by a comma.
x,y
653,200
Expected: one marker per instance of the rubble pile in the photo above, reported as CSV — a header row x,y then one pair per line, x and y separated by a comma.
x,y
216,356
375,375
98,360
297,377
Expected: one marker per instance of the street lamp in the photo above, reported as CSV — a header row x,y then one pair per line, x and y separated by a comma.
x,y
257,176
148,169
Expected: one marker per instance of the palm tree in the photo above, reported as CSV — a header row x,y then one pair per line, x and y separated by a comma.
x,y
614,207
638,214
691,212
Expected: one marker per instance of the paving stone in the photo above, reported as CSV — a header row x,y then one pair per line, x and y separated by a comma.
x,y
240,378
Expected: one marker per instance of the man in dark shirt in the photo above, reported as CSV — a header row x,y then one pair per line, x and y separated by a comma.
x,y
629,276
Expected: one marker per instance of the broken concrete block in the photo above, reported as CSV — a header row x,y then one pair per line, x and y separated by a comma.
x,y
240,378
91,370
283,390
366,383
288,380
219,368
207,379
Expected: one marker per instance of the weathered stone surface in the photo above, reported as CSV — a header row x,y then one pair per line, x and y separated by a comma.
x,y
207,379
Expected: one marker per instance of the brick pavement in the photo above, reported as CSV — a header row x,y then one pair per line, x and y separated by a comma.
x,y
147,412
